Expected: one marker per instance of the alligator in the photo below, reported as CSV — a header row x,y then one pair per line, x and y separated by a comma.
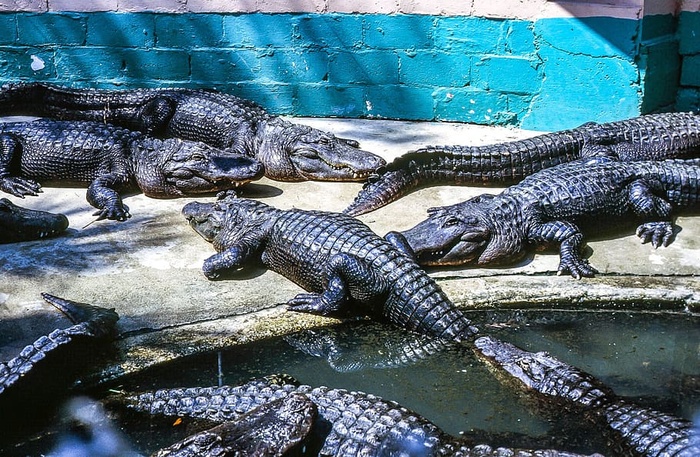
x,y
633,430
336,257
349,424
39,377
22,224
650,137
289,152
348,348
275,429
110,159
92,322
552,206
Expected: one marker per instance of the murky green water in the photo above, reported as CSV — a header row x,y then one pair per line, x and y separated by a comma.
x,y
653,359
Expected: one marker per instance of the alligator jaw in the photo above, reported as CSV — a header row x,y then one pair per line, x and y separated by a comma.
x,y
21,224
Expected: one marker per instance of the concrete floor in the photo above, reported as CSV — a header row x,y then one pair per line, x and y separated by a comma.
x,y
148,268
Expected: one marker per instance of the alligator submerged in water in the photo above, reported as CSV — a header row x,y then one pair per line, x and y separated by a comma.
x,y
349,423
634,430
289,152
551,207
110,159
22,224
650,137
336,257
41,374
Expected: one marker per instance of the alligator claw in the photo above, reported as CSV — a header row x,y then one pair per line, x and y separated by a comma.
x,y
578,268
309,303
20,187
116,213
656,233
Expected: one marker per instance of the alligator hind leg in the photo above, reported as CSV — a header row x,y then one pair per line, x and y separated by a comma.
x,y
19,187
646,204
350,280
155,115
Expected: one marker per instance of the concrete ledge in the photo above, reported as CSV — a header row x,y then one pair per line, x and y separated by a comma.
x,y
149,268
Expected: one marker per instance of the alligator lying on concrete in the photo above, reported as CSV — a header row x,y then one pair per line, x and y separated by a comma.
x,y
22,224
650,137
634,430
111,159
350,423
335,256
279,428
552,205
289,152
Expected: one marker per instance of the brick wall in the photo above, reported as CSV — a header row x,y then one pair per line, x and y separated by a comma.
x,y
541,72
689,39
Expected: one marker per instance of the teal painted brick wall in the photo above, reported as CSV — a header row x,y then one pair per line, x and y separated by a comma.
x,y
545,74
688,97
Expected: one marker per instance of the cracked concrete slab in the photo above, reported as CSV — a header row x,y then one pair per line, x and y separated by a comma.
x,y
148,268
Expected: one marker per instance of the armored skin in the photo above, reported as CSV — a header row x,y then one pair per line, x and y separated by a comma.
x,y
360,424
289,152
552,206
650,137
346,266
111,159
22,224
634,430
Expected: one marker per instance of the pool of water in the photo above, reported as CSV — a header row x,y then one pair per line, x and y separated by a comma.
x,y
649,358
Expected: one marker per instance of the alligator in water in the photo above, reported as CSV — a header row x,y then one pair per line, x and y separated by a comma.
x,y
552,205
336,257
41,374
110,159
22,224
289,152
349,424
279,428
650,137
634,430
373,345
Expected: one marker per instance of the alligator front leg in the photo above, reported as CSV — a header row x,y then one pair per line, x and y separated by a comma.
x,y
102,195
571,241
230,259
19,187
350,280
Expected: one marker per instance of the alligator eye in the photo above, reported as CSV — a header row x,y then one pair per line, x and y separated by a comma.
x,y
198,156
451,222
308,153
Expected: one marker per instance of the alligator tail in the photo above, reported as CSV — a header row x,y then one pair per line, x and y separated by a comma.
x,y
22,99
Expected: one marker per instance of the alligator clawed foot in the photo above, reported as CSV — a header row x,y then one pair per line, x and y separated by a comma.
x,y
308,303
20,187
656,233
113,213
577,268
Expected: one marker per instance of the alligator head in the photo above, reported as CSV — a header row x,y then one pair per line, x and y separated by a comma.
x,y
543,373
293,152
229,220
21,224
451,235
176,168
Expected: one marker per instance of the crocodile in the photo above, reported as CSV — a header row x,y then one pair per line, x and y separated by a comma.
x,y
338,258
275,429
289,151
649,137
23,224
553,206
633,430
111,159
350,423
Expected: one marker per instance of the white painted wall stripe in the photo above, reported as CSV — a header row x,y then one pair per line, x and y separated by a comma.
x,y
510,9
